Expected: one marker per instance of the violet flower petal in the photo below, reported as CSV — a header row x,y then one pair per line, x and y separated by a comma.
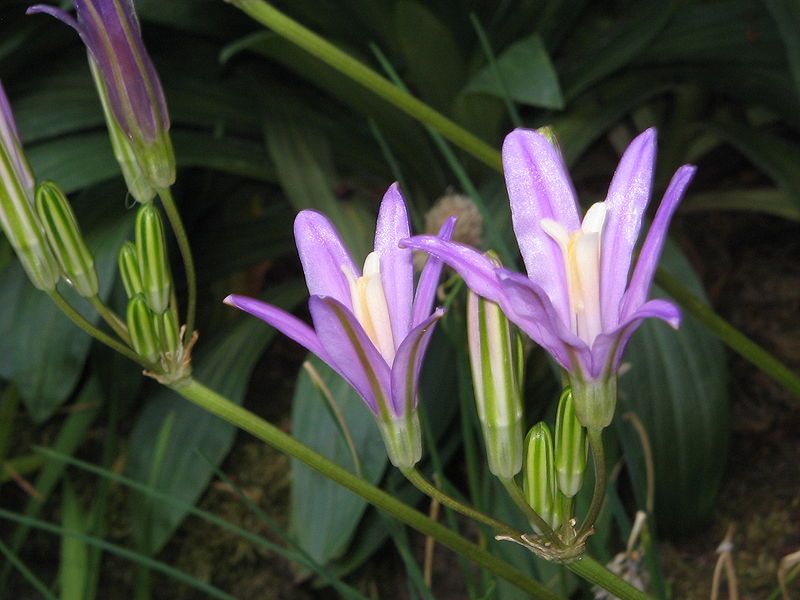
x,y
408,364
397,267
324,257
59,14
647,263
529,308
477,271
626,202
429,278
351,351
539,187
287,324
609,347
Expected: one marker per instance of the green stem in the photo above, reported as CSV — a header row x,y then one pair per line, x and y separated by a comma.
x,y
79,320
319,47
266,432
598,495
426,487
533,517
591,570
178,229
111,319
732,337
342,62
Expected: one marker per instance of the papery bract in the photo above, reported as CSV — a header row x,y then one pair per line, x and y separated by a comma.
x,y
370,325
577,300
112,35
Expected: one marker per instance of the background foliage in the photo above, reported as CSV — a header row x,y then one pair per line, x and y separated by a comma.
x,y
262,129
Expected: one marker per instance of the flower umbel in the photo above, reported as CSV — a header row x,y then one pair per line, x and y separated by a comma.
x,y
111,32
370,325
577,300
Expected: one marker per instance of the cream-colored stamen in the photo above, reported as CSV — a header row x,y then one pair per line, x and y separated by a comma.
x,y
370,307
580,251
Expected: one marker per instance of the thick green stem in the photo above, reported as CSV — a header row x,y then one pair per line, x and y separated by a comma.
x,y
79,320
266,432
533,517
426,487
342,62
318,46
598,495
186,255
591,570
111,319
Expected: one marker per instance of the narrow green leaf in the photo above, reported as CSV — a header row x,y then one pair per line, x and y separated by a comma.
x,y
429,51
73,568
678,387
323,516
787,17
528,73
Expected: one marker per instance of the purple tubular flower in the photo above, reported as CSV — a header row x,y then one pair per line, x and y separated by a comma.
x,y
577,300
111,32
369,325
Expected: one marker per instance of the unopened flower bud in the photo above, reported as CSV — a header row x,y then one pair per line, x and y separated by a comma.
x,y
17,215
571,446
151,249
135,179
538,475
493,357
112,36
66,240
128,262
169,333
402,437
141,326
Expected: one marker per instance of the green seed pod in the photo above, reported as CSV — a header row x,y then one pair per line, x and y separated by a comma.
x,y
571,446
135,179
402,437
20,223
66,240
169,333
128,262
141,326
151,249
538,474
494,357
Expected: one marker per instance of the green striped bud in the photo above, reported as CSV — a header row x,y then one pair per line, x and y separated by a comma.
x,y
571,446
128,262
141,327
20,223
151,249
494,357
169,334
403,439
135,179
538,475
66,240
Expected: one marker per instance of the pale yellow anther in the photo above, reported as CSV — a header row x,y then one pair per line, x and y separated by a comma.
x,y
370,307
580,251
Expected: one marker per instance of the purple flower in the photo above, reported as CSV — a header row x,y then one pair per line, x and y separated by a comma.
x,y
111,32
577,300
369,325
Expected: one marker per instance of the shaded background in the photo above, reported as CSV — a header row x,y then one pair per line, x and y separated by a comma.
x,y
261,129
